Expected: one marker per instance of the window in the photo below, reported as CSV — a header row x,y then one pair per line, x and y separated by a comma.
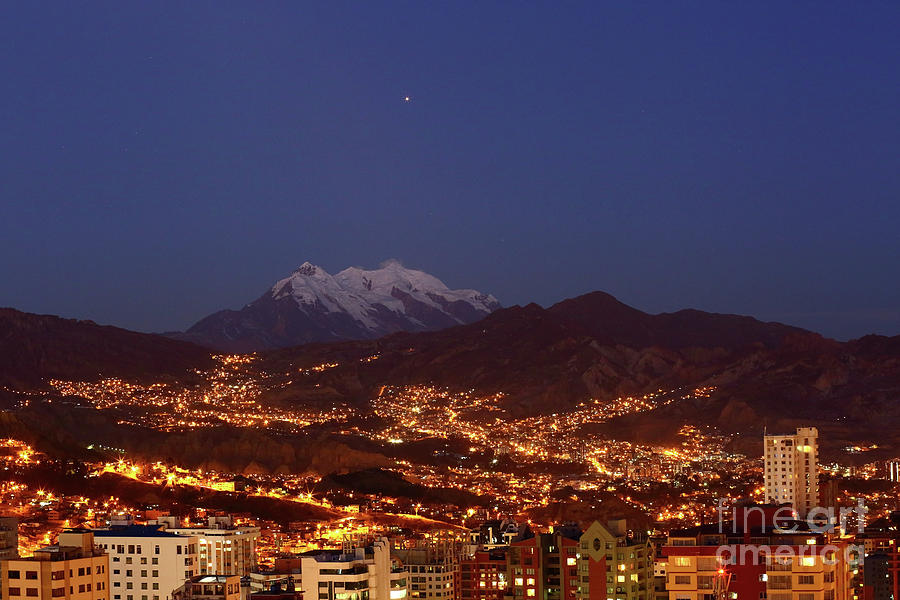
x,y
681,561
30,574
13,575
32,592
682,580
806,579
14,591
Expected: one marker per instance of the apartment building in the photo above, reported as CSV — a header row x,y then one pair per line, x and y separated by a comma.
x,y
483,575
223,548
752,558
432,571
146,562
365,573
791,469
74,569
614,564
544,566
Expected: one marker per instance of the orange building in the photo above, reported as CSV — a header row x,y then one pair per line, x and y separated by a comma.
x,y
74,569
755,559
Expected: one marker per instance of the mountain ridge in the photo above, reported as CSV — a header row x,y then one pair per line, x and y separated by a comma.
x,y
311,305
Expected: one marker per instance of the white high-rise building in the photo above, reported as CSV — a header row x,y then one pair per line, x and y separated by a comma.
x,y
366,573
223,548
791,469
147,563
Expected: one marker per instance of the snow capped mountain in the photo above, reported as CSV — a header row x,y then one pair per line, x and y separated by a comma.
x,y
311,305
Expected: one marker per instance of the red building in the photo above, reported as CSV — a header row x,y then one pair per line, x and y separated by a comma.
x,y
483,576
544,566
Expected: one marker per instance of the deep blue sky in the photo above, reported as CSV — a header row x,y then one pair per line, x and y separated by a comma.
x,y
159,161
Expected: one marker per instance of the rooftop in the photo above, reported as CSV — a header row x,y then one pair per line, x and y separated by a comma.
x,y
131,531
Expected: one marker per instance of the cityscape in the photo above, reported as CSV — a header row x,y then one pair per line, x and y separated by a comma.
x,y
467,300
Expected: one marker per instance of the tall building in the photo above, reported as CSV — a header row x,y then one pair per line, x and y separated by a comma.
x,y
612,564
432,571
367,573
892,469
791,469
483,575
223,548
74,569
881,568
146,562
544,566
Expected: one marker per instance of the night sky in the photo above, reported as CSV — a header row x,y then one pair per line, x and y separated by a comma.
x,y
160,161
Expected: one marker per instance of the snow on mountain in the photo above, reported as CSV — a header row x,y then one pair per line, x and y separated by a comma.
x,y
311,305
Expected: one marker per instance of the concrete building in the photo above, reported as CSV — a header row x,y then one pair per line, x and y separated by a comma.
x,y
544,566
146,562
752,558
612,564
483,575
223,547
432,571
881,567
74,569
366,573
791,469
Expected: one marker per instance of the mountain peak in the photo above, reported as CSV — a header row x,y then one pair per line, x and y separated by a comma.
x,y
307,268
310,305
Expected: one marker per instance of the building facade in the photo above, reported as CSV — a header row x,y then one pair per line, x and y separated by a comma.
x,y
791,469
482,575
223,548
74,569
146,562
366,573
612,564
752,558
544,566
